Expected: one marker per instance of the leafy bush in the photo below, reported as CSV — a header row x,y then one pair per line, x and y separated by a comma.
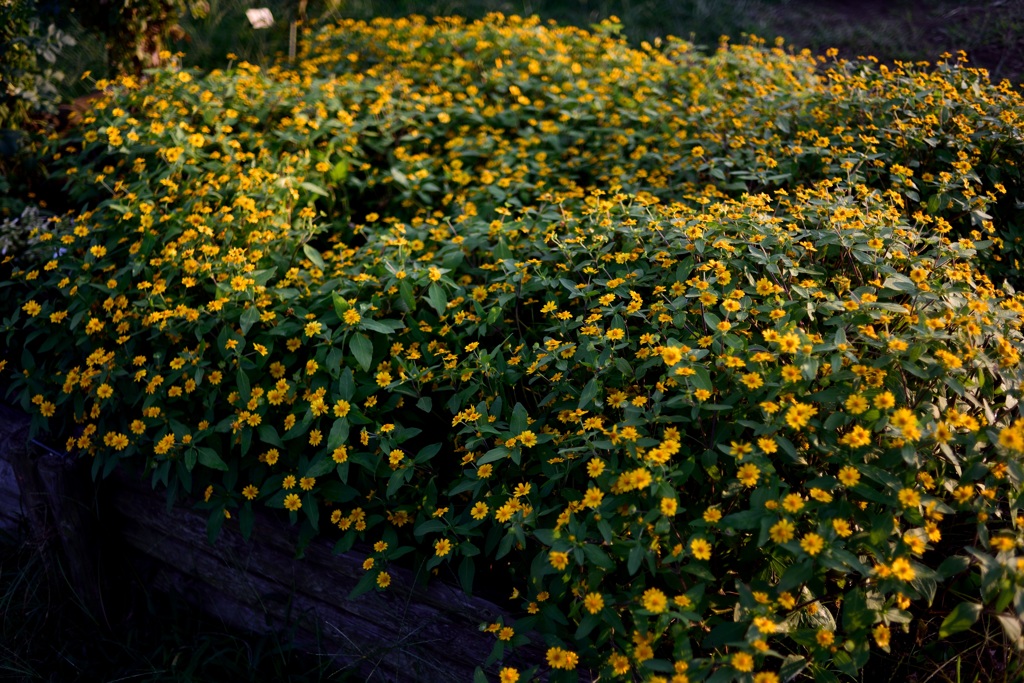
x,y
669,339
30,50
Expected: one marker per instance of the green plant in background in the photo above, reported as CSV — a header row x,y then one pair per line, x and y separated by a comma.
x,y
29,78
137,32
714,351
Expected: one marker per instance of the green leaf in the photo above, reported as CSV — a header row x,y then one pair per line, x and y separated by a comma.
x,y
701,380
597,557
437,298
249,317
791,666
245,520
209,458
365,584
340,171
314,256
428,526
517,425
321,466
467,570
339,433
856,615
340,304
636,556
242,381
960,619
362,348
405,291
427,452
797,574
589,393
214,524
493,455
315,189
268,435
312,510
396,482
587,625
375,326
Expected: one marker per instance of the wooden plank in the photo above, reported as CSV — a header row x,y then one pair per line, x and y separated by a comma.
x,y
411,631
408,632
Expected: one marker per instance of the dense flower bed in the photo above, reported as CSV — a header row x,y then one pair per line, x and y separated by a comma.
x,y
695,349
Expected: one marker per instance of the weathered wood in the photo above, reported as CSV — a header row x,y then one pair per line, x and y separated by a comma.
x,y
54,499
14,452
408,632
11,515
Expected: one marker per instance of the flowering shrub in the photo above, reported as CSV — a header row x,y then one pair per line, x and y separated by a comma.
x,y
722,407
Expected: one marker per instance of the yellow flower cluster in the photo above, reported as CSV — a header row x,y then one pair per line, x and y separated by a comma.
x,y
637,321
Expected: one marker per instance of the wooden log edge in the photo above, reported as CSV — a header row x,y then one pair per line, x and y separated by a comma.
x,y
409,631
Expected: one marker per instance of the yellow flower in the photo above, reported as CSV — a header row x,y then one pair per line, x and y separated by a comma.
x,y
812,544
902,569
856,437
562,659
881,634
752,380
250,492
742,661
292,502
593,602
712,515
909,498
849,476
885,400
559,560
748,474
479,510
508,675
384,579
700,548
782,531
341,408
670,355
669,506
619,664
793,502
842,527
654,601
593,497
799,414
395,457
351,317
442,547
32,308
